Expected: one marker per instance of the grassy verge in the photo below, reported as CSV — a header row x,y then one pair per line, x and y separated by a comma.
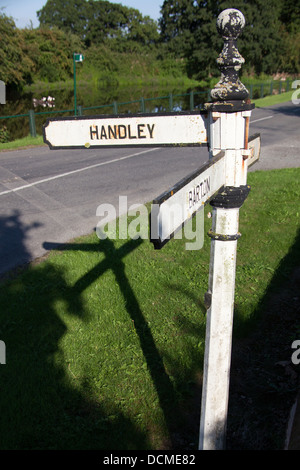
x,y
274,99
25,142
105,339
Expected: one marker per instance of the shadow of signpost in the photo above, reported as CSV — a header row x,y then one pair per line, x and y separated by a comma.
x,y
40,407
114,261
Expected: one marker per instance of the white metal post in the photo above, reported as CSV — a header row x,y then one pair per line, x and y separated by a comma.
x,y
221,287
229,117
218,339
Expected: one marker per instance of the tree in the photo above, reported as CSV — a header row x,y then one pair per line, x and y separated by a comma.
x,y
70,16
104,21
178,24
139,28
50,52
188,27
290,16
260,42
290,30
15,65
98,21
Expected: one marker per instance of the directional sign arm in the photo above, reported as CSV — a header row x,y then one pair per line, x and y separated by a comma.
x,y
176,206
254,145
140,130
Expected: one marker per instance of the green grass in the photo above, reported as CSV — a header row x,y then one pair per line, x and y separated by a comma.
x,y
25,142
105,339
274,99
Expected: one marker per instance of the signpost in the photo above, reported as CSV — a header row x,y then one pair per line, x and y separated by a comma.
x,y
229,128
224,127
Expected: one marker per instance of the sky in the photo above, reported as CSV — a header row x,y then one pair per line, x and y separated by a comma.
x,y
24,11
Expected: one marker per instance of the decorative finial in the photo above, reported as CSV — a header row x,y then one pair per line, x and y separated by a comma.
x,y
230,24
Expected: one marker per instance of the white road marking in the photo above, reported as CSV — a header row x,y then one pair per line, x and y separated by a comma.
x,y
262,119
51,178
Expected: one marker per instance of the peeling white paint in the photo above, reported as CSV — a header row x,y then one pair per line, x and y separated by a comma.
x,y
229,19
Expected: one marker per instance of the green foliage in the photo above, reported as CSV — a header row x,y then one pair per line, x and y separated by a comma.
x,y
67,15
4,135
96,21
35,54
290,31
50,51
290,56
290,16
107,67
14,64
188,28
111,36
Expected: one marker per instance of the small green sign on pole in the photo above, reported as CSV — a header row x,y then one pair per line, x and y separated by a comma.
x,y
76,58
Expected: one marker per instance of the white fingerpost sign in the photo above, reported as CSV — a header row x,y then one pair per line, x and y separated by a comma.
x,y
173,208
139,130
223,126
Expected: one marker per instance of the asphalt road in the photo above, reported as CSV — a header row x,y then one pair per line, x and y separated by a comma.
x,y
52,195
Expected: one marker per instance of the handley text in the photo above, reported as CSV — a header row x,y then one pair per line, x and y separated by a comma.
x,y
121,131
